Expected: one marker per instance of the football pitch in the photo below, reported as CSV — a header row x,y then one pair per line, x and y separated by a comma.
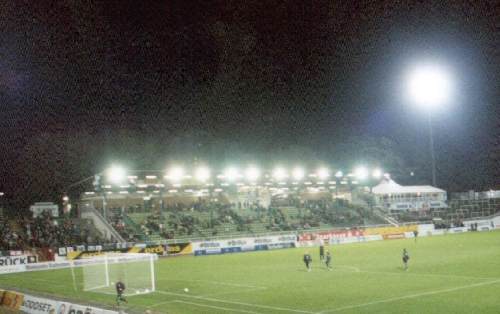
x,y
447,274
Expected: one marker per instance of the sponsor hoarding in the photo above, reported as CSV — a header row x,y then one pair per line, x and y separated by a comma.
x,y
327,235
391,230
37,305
12,300
243,244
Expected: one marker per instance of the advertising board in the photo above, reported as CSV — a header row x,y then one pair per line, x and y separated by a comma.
x,y
243,244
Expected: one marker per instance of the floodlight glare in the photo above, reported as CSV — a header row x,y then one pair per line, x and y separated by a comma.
x,y
323,173
252,173
361,173
202,174
231,174
116,174
279,173
175,174
339,174
429,86
377,173
298,174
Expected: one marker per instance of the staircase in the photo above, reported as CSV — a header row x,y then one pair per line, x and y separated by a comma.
x,y
385,217
101,224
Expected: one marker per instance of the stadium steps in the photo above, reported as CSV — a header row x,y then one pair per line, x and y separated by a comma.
x,y
258,228
101,224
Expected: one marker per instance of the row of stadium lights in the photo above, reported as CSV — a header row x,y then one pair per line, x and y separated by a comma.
x,y
118,174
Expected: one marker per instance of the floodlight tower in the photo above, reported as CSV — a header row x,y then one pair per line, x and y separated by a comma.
x,y
429,87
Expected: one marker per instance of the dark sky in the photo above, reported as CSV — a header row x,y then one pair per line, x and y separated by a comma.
x,y
86,83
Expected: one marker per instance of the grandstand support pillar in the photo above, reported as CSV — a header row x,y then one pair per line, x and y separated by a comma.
x,y
104,205
162,208
431,143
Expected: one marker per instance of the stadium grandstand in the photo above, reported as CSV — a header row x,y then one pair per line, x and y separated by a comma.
x,y
156,206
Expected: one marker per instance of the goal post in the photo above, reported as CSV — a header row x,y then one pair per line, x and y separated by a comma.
x,y
135,270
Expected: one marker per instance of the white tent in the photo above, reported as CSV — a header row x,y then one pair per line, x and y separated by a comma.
x,y
388,186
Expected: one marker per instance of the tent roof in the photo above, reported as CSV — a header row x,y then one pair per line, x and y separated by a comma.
x,y
388,186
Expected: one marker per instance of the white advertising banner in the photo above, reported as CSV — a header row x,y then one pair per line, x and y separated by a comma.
x,y
244,244
17,260
70,308
37,305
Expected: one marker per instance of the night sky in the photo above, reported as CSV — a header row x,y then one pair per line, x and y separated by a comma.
x,y
84,84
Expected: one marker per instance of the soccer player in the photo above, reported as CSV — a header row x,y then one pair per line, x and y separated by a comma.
x,y
321,251
328,260
308,261
406,258
120,288
415,235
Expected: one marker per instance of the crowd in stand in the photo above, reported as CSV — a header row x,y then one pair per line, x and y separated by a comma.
x,y
203,218
26,232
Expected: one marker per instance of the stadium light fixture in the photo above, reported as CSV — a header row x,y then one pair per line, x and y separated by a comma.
x,y
175,174
252,173
429,86
339,174
323,173
231,174
116,174
361,173
298,173
202,174
377,173
279,174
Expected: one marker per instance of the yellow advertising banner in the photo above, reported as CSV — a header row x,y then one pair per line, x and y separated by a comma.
x,y
12,300
390,230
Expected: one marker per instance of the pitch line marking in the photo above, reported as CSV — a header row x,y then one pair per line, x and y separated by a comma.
x,y
232,292
222,283
161,303
217,307
409,296
235,302
357,270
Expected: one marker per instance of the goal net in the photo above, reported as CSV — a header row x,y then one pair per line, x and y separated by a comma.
x,y
136,271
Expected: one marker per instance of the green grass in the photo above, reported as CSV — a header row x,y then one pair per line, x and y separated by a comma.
x,y
448,274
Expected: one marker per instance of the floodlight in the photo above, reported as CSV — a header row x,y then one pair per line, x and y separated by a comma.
x,y
298,174
116,174
231,174
429,85
252,173
323,173
339,174
377,173
175,174
202,174
279,173
361,173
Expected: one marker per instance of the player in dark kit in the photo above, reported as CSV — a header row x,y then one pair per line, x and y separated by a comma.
x,y
308,261
415,235
120,288
328,260
321,252
406,258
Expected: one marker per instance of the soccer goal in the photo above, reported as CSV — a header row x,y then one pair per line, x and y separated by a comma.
x,y
136,271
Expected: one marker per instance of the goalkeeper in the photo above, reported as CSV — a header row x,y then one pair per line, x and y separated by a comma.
x,y
120,288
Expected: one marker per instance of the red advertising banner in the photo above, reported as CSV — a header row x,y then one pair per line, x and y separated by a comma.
x,y
327,235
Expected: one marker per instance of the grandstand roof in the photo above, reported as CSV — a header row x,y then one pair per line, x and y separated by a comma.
x,y
388,186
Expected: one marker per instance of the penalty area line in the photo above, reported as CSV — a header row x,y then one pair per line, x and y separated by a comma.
x,y
276,308
409,296
217,307
234,292
161,303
